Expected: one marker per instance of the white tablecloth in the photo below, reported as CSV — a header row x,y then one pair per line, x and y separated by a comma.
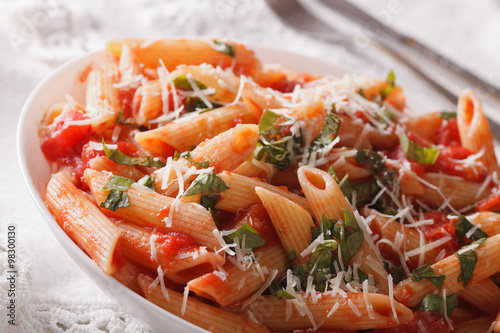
x,y
53,294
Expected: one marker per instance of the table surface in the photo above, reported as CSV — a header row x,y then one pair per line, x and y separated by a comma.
x,y
54,295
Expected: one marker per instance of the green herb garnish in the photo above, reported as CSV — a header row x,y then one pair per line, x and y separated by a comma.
x,y
118,157
436,302
252,237
426,272
417,153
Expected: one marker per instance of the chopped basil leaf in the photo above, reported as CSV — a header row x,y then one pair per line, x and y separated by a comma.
x,y
187,156
196,104
181,82
120,119
391,80
332,173
346,187
273,148
447,115
417,153
206,183
252,237
291,255
209,200
467,258
225,48
371,160
425,271
277,290
117,156
147,181
116,199
365,191
117,183
350,220
436,302
398,274
329,131
212,213
463,226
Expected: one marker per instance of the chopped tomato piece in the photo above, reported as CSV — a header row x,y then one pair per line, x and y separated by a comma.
x,y
66,140
442,227
491,203
447,134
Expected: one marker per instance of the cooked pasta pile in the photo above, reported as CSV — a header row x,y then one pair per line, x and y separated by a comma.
x,y
251,198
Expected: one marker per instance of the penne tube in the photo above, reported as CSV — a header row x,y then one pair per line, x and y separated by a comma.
x,y
255,168
102,101
175,52
189,131
325,197
489,222
148,208
292,223
239,283
127,275
197,312
474,130
147,103
396,233
425,125
103,163
351,313
479,325
180,260
457,196
229,149
484,295
241,193
85,224
411,293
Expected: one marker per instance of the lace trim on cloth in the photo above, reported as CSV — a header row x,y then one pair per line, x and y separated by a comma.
x,y
36,312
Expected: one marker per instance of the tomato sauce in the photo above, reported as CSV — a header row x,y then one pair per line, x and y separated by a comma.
x,y
442,227
66,140
433,322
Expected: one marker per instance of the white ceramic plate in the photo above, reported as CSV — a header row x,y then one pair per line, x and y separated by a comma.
x,y
36,171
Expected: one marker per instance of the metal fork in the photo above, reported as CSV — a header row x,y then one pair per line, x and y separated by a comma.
x,y
296,16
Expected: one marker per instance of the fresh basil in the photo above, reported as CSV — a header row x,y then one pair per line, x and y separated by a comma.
x,y
121,120
398,274
187,156
181,82
291,255
463,226
417,153
276,289
147,181
273,147
346,187
426,272
448,115
467,258
225,48
375,162
206,183
115,199
391,81
118,157
117,183
436,302
329,131
209,200
196,104
252,237
331,172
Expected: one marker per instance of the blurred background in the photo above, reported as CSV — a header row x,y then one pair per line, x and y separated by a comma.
x,y
36,36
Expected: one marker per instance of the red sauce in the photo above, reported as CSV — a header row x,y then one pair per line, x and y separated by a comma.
x,y
284,85
491,203
448,163
433,322
442,227
66,141
173,244
447,134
